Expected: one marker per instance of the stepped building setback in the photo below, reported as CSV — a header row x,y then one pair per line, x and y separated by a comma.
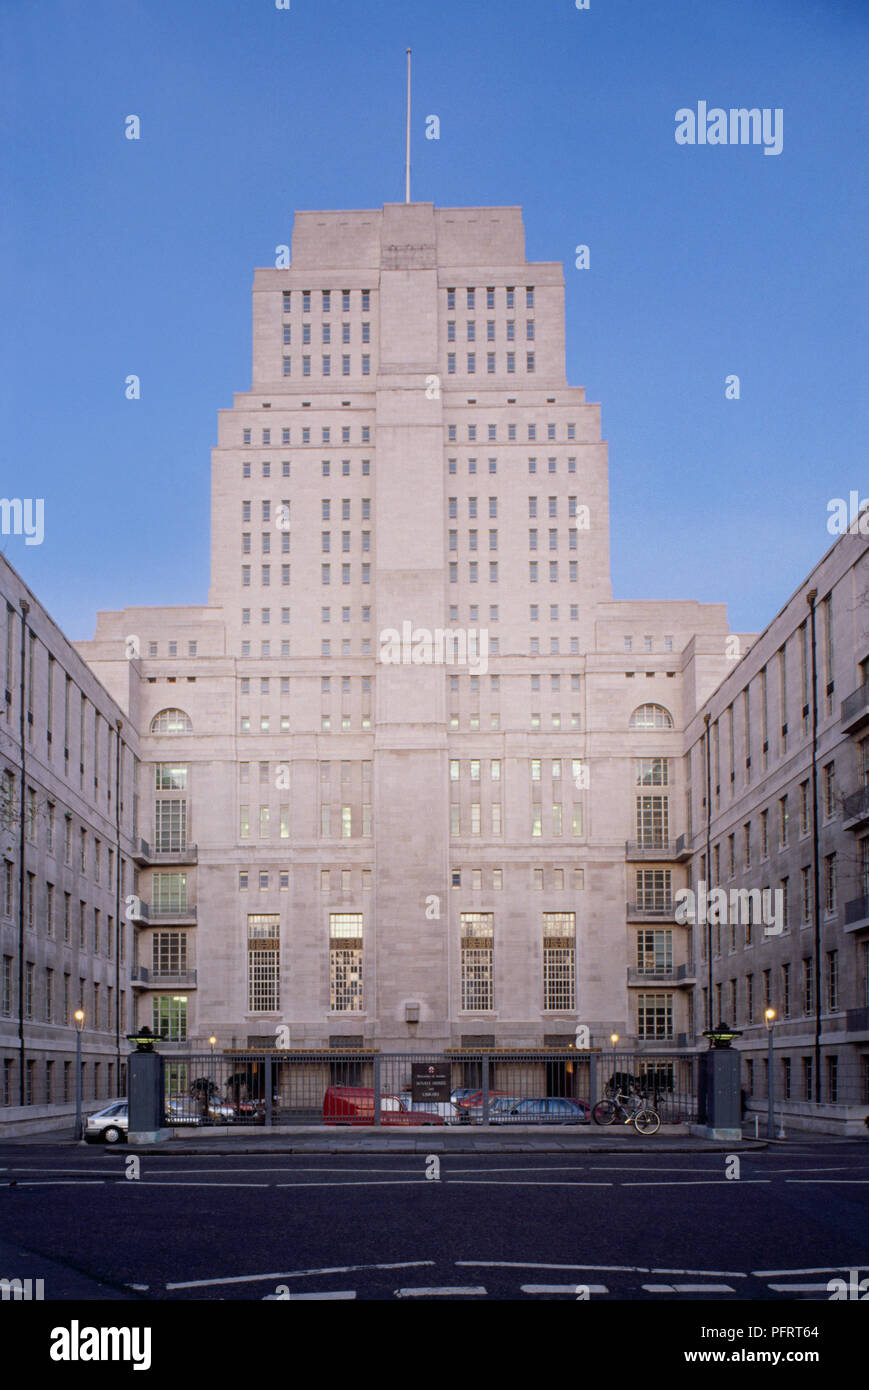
x,y
412,779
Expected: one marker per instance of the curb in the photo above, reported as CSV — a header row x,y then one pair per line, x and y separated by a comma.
x,y
421,1146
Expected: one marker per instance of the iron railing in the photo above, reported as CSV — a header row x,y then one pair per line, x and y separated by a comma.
x,y
855,709
555,1086
856,807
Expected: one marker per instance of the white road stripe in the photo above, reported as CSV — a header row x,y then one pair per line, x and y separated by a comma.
x,y
539,1264
687,1288
839,1168
818,1269
505,1182
362,1182
706,1273
653,1167
852,1182
165,1182
438,1292
294,1274
21,1168
699,1182
60,1182
340,1294
799,1288
562,1288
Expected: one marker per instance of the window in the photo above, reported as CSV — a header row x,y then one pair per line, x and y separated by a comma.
x,y
651,772
559,960
652,820
830,887
169,1017
171,721
829,790
477,958
345,962
651,717
654,889
833,981
263,954
655,1017
655,952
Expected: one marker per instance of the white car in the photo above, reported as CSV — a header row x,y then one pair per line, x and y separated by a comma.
x,y
109,1125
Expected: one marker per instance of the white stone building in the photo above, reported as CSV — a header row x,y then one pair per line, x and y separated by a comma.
x,y
412,778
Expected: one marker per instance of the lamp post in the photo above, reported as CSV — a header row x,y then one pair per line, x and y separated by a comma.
x,y
211,1042
769,1020
79,1025
614,1037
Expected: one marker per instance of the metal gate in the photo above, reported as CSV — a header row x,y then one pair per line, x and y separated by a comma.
x,y
551,1086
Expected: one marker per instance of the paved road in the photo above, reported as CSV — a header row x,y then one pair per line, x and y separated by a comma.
x,y
666,1226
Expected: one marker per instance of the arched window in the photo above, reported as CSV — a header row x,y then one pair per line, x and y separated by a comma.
x,y
171,721
651,717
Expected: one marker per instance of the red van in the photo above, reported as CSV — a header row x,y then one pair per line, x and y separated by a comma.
x,y
354,1105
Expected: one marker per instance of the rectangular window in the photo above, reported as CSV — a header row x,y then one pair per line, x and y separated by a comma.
x,y
559,960
652,821
655,952
169,1017
477,960
655,1017
169,893
264,960
345,962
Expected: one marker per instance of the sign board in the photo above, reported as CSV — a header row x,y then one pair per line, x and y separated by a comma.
x,y
430,1081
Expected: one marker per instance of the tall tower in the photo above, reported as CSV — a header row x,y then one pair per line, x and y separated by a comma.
x,y
409,460
431,771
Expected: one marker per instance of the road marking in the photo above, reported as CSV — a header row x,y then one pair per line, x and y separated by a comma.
x,y
649,1168
442,1292
706,1273
61,1182
851,1182
525,1168
687,1288
699,1182
343,1294
819,1269
362,1182
538,1264
142,1288
839,1168
799,1288
21,1168
563,1288
294,1274
535,1182
258,1168
161,1182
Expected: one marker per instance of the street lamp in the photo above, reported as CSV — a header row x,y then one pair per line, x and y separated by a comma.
x,y
769,1020
722,1036
79,1025
211,1084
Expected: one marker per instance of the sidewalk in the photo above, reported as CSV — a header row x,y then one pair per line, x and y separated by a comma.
x,y
307,1139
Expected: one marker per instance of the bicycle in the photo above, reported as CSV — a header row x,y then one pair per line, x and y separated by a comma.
x,y
630,1109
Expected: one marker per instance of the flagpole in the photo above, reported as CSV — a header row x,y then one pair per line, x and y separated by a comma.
x,y
407,155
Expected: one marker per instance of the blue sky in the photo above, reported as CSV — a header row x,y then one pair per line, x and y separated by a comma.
x,y
121,257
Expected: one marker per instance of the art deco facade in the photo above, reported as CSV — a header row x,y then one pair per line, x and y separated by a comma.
x,y
417,853
444,842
